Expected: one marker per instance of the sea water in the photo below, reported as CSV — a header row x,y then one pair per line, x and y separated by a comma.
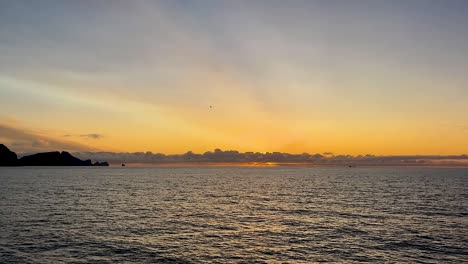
x,y
233,215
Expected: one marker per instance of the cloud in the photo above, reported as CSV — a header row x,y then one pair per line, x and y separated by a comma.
x,y
92,136
463,127
24,141
88,136
233,156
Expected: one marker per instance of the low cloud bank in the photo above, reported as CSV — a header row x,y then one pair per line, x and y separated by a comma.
x,y
233,156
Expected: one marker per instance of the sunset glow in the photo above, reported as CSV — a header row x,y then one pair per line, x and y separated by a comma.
x,y
384,77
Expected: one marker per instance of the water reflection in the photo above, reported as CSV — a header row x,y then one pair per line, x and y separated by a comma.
x,y
233,215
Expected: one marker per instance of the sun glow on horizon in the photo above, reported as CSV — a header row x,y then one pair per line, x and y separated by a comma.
x,y
172,76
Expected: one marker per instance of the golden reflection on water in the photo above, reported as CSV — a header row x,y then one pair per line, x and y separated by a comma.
x,y
233,215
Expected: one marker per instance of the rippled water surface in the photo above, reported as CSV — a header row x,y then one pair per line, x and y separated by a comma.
x,y
233,215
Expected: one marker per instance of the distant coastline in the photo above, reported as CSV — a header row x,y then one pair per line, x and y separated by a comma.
x,y
55,158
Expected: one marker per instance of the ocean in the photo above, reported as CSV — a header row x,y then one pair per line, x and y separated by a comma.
x,y
233,215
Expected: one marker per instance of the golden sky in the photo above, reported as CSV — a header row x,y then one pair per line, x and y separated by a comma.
x,y
290,76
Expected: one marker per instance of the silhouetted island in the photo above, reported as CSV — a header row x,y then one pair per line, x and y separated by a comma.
x,y
7,157
55,158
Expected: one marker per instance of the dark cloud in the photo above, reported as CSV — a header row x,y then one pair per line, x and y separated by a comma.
x,y
233,156
23,141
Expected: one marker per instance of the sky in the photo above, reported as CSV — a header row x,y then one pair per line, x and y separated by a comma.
x,y
348,77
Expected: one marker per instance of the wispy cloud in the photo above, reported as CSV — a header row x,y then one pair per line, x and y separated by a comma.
x,y
24,141
89,136
92,136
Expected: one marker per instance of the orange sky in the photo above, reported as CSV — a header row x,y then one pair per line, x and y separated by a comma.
x,y
142,77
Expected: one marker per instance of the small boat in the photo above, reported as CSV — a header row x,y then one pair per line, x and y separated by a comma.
x,y
123,165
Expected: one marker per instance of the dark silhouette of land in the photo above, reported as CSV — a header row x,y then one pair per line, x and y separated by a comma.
x,y
7,157
55,158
